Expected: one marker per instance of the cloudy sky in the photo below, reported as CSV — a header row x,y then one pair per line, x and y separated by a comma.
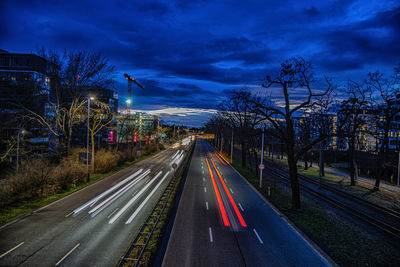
x,y
187,54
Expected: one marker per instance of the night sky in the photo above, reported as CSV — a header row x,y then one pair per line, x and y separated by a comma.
x,y
188,54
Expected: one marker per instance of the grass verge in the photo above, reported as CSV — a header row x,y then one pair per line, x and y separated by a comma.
x,y
26,207
345,242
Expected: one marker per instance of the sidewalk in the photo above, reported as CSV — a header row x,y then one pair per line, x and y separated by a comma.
x,y
383,186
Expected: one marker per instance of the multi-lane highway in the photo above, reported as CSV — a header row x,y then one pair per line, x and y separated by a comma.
x,y
222,221
91,227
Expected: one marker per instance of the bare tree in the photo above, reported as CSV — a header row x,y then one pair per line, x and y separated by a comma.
x,y
237,110
295,74
350,115
100,117
387,90
71,73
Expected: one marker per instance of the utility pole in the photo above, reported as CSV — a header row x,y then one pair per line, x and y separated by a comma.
x,y
320,165
398,171
87,141
232,146
262,157
158,131
22,132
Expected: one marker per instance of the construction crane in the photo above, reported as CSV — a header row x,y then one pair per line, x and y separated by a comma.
x,y
130,80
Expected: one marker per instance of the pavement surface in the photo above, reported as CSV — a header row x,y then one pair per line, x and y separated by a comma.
x,y
222,221
93,226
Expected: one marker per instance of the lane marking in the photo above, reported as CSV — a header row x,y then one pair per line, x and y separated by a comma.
x,y
219,199
130,202
66,255
240,206
238,214
66,216
204,179
14,248
147,199
231,190
206,205
210,232
134,193
108,217
205,190
108,191
259,239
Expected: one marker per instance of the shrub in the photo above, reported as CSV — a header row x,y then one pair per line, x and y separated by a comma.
x,y
106,160
69,172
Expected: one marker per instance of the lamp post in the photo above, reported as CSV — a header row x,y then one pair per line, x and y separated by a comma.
x,y
22,132
232,146
262,158
87,139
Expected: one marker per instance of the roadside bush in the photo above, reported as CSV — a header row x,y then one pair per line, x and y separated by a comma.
x,y
69,172
106,160
127,154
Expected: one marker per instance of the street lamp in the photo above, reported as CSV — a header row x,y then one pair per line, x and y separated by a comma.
x,y
22,132
87,139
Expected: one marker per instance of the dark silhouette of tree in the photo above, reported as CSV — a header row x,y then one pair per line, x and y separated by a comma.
x,y
295,75
386,93
237,111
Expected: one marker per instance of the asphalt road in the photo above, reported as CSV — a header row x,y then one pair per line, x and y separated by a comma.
x,y
70,233
222,221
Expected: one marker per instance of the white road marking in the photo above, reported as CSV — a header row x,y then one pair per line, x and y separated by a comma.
x,y
259,239
14,248
210,232
204,179
113,219
206,205
134,193
66,216
231,190
108,217
147,199
205,190
240,206
225,181
69,252
202,171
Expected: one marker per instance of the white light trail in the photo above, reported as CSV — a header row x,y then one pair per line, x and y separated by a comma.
x,y
117,194
147,199
130,202
87,204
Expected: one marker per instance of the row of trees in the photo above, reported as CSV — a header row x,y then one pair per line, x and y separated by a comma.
x,y
312,120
